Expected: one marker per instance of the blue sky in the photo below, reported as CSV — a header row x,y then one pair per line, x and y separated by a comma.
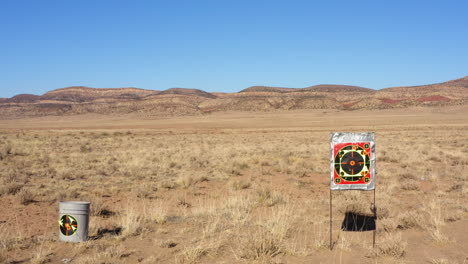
x,y
229,45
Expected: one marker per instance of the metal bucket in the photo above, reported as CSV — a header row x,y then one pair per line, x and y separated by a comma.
x,y
73,221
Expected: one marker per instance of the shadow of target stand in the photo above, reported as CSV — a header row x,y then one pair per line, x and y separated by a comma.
x,y
352,167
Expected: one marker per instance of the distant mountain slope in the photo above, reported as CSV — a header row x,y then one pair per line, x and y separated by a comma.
x,y
84,94
181,101
328,88
188,92
267,89
462,82
23,98
454,92
333,88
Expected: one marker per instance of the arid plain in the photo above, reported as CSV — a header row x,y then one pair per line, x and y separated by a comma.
x,y
233,187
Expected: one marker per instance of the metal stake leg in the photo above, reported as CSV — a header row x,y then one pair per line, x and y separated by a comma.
x,y
375,221
331,220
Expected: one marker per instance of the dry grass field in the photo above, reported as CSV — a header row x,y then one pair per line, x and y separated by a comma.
x,y
233,188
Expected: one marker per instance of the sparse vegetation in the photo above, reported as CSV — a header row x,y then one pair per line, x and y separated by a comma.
x,y
259,245
25,196
232,195
392,246
131,221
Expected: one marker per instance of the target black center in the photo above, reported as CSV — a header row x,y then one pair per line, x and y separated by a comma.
x,y
352,162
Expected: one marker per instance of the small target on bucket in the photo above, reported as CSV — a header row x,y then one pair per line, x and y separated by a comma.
x,y
68,225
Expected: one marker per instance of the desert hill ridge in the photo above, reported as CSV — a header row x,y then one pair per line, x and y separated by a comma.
x,y
188,92
23,98
182,101
334,88
461,82
259,88
316,88
84,94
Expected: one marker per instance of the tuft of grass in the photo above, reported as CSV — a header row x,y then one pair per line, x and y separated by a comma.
x,y
146,191
265,197
382,212
258,245
279,222
168,184
237,210
85,148
192,254
441,261
410,185
435,159
131,222
3,256
437,236
167,244
25,196
436,221
186,181
5,150
9,239
411,219
392,246
10,188
388,225
96,205
156,213
182,202
239,184
320,241
407,176
41,256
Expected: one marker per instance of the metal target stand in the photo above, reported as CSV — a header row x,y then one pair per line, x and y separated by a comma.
x,y
353,139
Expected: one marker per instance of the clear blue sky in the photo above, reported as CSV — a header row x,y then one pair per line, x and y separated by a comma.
x,y
229,45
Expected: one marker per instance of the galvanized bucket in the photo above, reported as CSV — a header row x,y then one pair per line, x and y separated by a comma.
x,y
73,221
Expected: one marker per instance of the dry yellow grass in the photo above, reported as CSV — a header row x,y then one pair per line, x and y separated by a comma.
x,y
245,192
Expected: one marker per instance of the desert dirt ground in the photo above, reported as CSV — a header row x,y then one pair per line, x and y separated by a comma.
x,y
233,188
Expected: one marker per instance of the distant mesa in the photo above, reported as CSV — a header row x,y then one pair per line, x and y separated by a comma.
x,y
77,100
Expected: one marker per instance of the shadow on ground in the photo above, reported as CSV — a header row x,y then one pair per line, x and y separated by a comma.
x,y
358,222
103,232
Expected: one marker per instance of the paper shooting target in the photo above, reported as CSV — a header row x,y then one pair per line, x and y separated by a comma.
x,y
352,161
68,225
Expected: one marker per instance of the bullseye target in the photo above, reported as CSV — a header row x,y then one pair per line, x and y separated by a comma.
x,y
352,161
68,225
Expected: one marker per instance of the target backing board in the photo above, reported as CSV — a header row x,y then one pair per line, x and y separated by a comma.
x,y
352,161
